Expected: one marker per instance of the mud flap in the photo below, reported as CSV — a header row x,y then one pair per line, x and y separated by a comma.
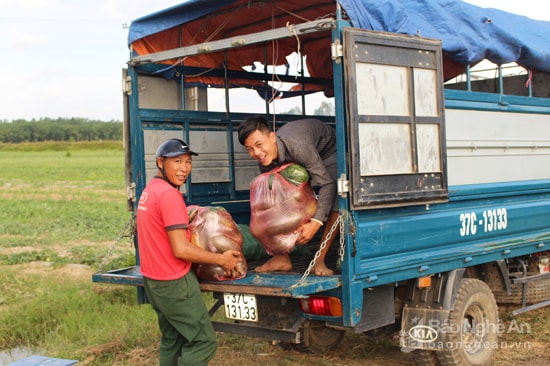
x,y
423,329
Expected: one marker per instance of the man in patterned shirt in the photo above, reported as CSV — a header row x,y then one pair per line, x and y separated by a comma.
x,y
311,144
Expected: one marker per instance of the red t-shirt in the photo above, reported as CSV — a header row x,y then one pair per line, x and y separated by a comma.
x,y
160,208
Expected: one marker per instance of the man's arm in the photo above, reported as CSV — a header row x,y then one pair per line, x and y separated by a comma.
x,y
184,249
319,175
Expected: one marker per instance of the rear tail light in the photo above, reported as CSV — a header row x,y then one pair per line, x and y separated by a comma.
x,y
321,305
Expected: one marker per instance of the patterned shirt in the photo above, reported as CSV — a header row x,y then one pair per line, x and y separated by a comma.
x,y
311,144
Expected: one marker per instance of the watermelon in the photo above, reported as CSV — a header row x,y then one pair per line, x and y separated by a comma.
x,y
295,174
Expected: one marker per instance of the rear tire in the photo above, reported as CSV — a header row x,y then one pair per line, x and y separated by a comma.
x,y
426,358
536,291
473,322
317,338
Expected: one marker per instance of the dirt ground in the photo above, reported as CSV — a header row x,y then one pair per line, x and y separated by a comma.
x,y
357,349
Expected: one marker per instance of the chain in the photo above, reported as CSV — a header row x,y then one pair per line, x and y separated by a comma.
x,y
127,232
339,220
342,239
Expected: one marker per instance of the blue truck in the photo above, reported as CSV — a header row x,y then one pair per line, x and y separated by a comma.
x,y
442,119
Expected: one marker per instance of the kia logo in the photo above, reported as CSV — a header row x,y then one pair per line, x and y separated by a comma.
x,y
423,333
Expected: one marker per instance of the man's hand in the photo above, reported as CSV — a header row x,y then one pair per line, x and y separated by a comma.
x,y
230,258
307,231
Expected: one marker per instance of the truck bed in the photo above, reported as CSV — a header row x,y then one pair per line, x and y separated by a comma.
x,y
282,284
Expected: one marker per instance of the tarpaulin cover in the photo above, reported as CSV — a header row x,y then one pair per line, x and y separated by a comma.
x,y
468,33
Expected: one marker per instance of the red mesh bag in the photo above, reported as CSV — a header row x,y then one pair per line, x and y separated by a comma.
x,y
213,229
281,201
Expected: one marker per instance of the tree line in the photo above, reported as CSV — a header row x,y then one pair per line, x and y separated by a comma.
x,y
59,129
83,129
325,109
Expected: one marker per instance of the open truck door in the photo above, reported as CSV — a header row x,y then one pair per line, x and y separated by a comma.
x,y
396,119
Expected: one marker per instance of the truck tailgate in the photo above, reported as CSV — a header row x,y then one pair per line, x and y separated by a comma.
x,y
270,284
275,284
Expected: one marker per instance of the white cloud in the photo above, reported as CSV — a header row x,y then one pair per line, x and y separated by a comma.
x,y
534,9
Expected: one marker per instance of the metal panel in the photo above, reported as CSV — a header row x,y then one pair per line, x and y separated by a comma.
x,y
385,148
151,140
246,169
158,93
425,98
384,89
212,164
211,143
287,285
237,41
429,159
376,312
479,224
490,147
395,119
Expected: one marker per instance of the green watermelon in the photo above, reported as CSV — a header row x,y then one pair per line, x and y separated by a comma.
x,y
295,174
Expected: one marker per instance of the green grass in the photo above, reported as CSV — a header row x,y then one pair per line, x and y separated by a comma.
x,y
49,197
67,317
62,208
62,146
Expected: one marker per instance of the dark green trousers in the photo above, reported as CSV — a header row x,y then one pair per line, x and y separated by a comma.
x,y
188,337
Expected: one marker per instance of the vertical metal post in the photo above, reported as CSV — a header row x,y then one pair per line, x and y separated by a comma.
x,y
266,83
138,163
500,81
351,291
226,84
530,84
302,74
182,91
468,79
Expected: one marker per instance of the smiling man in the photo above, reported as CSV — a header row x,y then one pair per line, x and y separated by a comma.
x,y
166,254
311,144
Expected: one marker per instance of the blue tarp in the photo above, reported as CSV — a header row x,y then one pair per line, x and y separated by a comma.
x,y
172,17
468,33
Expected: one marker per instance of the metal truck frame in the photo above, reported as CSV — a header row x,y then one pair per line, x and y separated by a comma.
x,y
444,188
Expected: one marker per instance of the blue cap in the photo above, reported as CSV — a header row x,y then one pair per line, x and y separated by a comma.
x,y
174,147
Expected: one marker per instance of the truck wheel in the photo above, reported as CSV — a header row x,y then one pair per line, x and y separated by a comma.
x,y
536,291
319,338
472,328
426,358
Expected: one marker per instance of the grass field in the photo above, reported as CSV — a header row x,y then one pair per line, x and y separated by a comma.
x,y
62,208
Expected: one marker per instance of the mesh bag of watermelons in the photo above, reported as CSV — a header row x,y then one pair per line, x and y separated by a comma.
x,y
281,201
213,229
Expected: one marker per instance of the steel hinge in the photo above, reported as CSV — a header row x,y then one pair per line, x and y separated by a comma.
x,y
343,186
127,85
131,192
337,51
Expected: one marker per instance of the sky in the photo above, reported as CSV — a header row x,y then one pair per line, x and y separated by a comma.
x,y
64,58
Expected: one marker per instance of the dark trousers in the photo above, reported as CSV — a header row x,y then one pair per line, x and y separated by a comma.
x,y
188,337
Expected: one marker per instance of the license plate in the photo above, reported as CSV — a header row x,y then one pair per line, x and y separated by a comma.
x,y
240,307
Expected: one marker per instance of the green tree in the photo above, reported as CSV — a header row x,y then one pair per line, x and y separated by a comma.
x,y
294,110
60,129
325,109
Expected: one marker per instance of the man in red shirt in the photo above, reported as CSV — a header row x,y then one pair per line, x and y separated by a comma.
x,y
166,254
